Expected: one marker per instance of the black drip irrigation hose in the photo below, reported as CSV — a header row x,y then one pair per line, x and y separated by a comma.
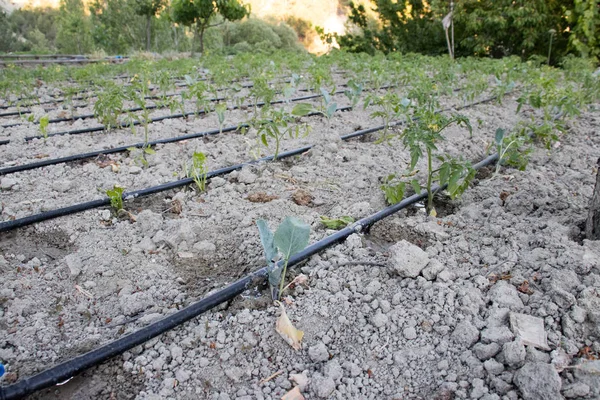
x,y
120,149
68,369
86,116
171,116
44,216
151,97
13,114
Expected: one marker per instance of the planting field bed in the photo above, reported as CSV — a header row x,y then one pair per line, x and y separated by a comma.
x,y
445,204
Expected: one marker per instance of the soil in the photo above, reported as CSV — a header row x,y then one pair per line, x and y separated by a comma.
x,y
418,307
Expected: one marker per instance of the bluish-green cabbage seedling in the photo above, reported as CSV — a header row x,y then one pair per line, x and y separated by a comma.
x,y
290,238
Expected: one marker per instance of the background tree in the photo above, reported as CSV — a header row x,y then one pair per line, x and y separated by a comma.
x,y
200,12
73,34
148,9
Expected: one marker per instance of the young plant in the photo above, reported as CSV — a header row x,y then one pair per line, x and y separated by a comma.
x,y
116,198
44,121
291,237
422,134
198,170
353,92
220,111
277,124
390,107
509,149
109,106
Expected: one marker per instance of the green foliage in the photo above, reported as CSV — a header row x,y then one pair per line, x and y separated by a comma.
x,y
200,13
109,106
116,198
198,170
336,223
275,125
44,121
512,149
255,34
73,36
494,28
291,237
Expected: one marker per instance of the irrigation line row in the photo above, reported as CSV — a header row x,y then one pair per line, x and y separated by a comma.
x,y
123,125
59,212
70,368
90,95
139,145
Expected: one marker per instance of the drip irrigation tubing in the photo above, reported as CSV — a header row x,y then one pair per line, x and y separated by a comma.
x,y
171,116
120,149
70,368
150,97
86,116
59,212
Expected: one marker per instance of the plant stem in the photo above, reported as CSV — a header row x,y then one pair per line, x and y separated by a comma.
x,y
429,179
282,281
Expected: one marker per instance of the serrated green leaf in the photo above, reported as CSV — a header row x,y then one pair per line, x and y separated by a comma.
x,y
291,236
416,186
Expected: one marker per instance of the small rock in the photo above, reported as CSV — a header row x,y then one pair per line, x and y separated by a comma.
x,y
514,353
407,260
182,375
246,176
466,334
479,389
323,386
410,333
205,247
379,319
318,352
134,170
497,334
493,367
505,295
577,389
486,351
7,183
333,370
217,181
538,381
432,269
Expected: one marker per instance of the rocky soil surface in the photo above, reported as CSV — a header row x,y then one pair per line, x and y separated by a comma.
x,y
418,307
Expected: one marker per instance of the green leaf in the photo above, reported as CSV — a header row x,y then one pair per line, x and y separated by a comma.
x,y
302,109
291,236
263,139
416,186
499,136
331,110
149,150
266,238
336,223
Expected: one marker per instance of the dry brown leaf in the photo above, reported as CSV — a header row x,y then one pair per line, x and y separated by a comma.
x,y
287,331
293,394
302,197
261,197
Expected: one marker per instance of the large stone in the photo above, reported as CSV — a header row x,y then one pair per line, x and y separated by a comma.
x,y
538,381
407,260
